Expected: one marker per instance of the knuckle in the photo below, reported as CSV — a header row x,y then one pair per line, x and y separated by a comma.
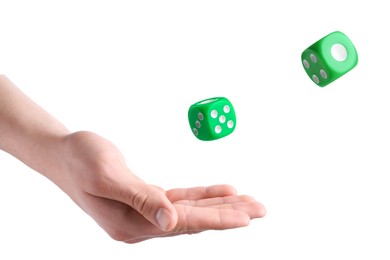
x,y
139,200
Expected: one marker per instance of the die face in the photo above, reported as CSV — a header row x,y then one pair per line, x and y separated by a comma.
x,y
199,122
338,52
212,118
329,58
316,68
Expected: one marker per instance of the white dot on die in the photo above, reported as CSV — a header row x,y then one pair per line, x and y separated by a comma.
x,y
214,113
230,123
226,109
218,129
313,58
207,101
200,116
316,79
195,131
339,52
323,73
222,119
306,64
197,123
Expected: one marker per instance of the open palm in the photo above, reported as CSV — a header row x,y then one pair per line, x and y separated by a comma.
x,y
96,177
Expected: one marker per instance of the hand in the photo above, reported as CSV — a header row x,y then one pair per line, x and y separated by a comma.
x,y
94,174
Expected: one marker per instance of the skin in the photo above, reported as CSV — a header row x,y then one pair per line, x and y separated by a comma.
x,y
94,174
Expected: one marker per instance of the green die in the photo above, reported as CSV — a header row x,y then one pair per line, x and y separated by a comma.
x,y
212,118
329,58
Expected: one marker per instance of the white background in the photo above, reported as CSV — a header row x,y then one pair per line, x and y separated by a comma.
x,y
317,158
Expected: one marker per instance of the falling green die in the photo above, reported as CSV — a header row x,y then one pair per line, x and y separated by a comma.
x,y
329,58
212,118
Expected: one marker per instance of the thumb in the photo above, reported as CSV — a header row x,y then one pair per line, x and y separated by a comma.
x,y
151,202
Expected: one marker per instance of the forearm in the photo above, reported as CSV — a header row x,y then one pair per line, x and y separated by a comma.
x,y
27,131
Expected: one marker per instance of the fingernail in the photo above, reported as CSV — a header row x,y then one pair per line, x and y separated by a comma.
x,y
163,218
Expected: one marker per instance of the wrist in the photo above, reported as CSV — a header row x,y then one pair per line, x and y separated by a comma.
x,y
27,131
